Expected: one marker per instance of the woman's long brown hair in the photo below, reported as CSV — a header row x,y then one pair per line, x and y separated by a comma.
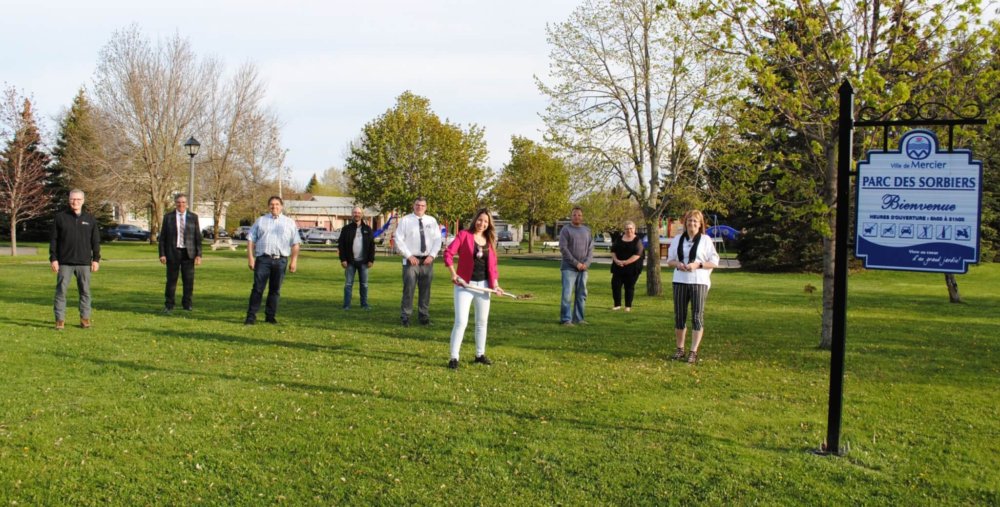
x,y
490,233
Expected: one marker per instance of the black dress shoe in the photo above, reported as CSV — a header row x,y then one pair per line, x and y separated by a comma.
x,y
425,322
483,360
187,308
453,364
405,323
271,320
249,322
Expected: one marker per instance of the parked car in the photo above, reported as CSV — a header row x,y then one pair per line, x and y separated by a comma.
x,y
505,235
602,241
241,232
209,233
322,236
125,232
305,230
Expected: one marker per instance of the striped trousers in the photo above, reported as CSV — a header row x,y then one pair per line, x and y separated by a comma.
x,y
695,294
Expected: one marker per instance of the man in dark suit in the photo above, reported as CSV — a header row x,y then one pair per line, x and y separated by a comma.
x,y
180,250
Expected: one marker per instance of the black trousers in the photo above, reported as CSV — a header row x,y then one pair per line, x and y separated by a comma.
x,y
626,280
183,266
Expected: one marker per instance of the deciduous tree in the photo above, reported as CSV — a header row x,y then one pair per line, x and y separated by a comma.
x,y
607,210
23,164
409,152
628,85
152,97
798,53
237,126
533,188
334,182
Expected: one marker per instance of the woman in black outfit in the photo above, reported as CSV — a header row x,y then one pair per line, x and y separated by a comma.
x,y
626,265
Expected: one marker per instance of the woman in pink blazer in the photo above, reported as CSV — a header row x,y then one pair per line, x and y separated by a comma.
x,y
474,279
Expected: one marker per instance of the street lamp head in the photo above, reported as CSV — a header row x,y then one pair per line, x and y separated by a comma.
x,y
192,146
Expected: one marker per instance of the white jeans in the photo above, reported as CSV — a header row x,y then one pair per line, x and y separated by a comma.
x,y
463,299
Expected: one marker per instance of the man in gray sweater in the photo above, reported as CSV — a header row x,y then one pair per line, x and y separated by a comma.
x,y
577,247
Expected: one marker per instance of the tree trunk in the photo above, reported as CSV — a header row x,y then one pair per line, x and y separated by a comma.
x,y
826,335
953,295
13,236
217,219
154,224
654,286
531,238
829,247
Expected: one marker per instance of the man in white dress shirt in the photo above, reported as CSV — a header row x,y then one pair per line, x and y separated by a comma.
x,y
418,239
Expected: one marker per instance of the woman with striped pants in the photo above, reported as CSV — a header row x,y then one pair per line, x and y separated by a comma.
x,y
692,255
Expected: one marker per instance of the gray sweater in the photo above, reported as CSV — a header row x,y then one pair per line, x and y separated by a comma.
x,y
576,245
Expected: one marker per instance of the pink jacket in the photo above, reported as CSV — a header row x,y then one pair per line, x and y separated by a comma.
x,y
464,246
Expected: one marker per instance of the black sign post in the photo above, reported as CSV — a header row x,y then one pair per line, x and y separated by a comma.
x,y
845,132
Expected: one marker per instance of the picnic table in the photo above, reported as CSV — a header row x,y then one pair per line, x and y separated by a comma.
x,y
509,245
224,243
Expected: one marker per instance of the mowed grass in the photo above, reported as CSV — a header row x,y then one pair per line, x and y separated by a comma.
x,y
348,408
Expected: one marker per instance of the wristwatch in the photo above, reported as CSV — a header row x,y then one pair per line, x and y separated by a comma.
x,y
701,265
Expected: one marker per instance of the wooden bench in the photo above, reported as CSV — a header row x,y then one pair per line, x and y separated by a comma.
x,y
224,243
509,245
550,245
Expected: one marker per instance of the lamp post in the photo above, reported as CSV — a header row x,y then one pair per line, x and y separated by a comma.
x,y
192,146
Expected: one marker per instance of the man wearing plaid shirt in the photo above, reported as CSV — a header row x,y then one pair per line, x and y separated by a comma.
x,y
272,245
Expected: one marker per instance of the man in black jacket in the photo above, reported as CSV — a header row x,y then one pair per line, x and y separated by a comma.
x,y
74,250
357,254
180,250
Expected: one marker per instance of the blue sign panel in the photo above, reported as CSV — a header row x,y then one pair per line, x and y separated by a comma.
x,y
918,208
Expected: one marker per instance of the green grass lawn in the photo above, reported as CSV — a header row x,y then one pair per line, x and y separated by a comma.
x,y
348,408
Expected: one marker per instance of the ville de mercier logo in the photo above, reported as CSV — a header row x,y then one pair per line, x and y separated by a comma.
x,y
918,147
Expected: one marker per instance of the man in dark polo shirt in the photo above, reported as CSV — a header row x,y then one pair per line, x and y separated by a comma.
x,y
74,250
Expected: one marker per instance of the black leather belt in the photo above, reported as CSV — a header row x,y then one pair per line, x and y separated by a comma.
x,y
272,256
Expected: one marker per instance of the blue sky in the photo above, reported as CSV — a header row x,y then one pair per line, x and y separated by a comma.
x,y
330,67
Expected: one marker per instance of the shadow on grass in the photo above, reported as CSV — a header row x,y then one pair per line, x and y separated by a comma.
x,y
312,388
296,345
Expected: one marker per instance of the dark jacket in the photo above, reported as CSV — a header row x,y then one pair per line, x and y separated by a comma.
x,y
75,240
346,243
168,236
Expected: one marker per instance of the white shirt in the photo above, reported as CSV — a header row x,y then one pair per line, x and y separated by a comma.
x,y
359,246
706,253
180,227
408,236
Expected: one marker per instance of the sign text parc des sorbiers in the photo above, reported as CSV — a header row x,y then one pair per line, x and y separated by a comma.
x,y
918,208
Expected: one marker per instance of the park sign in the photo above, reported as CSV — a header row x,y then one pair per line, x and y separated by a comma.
x,y
918,208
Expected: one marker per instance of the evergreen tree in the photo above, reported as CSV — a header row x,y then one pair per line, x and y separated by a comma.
x,y
313,185
798,54
78,163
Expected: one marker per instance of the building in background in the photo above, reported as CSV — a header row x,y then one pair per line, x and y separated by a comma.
x,y
330,213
